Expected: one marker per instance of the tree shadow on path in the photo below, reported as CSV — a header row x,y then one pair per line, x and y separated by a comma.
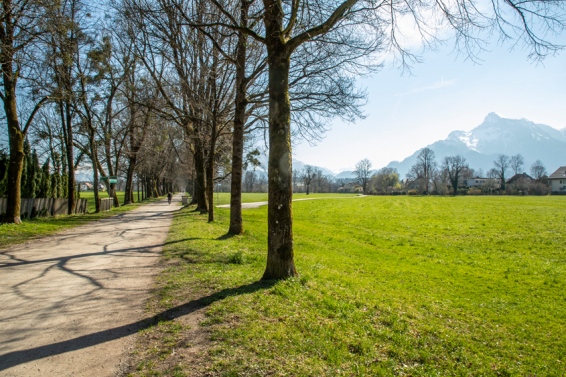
x,y
15,358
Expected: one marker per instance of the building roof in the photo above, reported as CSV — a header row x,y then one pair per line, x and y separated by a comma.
x,y
559,174
516,177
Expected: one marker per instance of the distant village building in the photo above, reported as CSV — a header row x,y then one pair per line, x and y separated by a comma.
x,y
558,181
524,177
476,182
520,183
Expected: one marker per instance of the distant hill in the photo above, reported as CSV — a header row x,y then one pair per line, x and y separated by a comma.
x,y
495,136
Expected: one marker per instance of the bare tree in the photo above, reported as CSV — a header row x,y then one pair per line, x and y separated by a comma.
x,y
454,166
363,173
426,160
502,165
307,176
516,163
538,171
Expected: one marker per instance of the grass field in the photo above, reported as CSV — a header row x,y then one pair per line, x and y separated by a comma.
x,y
221,198
420,286
89,195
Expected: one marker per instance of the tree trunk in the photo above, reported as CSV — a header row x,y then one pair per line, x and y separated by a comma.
x,y
280,254
15,168
70,161
236,222
129,193
210,173
200,178
15,134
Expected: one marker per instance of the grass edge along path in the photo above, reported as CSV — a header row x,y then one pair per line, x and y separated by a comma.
x,y
418,286
28,230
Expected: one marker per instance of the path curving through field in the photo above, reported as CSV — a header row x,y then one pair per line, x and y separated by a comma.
x,y
260,204
70,303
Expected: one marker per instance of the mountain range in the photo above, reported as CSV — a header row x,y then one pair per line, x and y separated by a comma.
x,y
495,136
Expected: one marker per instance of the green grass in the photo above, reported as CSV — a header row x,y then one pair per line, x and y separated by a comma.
x,y
221,198
420,286
11,234
89,195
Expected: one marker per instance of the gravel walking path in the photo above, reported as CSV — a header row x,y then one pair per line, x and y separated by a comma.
x,y
71,303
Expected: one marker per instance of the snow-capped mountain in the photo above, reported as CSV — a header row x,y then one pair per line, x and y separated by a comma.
x,y
495,136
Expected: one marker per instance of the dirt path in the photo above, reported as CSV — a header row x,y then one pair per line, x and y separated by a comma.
x,y
260,204
70,303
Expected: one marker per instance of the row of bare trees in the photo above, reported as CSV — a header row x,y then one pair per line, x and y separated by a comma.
x,y
146,84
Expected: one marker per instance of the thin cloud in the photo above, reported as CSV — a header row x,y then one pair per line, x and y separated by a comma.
x,y
437,85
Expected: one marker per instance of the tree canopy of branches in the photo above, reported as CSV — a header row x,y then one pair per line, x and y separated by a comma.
x,y
454,166
363,173
538,171
423,170
502,165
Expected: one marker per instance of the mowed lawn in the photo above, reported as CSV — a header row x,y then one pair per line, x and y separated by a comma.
x,y
89,195
421,286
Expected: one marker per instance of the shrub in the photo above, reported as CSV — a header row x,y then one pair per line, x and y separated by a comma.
x,y
412,192
474,191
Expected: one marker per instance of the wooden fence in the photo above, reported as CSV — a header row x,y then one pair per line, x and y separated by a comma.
x,y
31,208
106,204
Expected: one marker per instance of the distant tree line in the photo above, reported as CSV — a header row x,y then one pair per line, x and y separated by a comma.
x,y
425,177
453,176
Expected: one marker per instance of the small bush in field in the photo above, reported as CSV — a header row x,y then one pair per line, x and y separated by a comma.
x,y
474,191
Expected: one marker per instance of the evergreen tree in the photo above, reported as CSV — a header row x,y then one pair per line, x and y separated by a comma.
x,y
4,161
54,185
56,176
64,185
44,187
36,177
26,182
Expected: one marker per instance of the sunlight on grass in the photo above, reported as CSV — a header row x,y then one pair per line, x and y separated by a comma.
x,y
389,286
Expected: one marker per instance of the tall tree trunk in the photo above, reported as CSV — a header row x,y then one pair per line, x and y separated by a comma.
x,y
70,160
200,178
94,159
210,175
236,221
280,253
129,194
15,168
15,134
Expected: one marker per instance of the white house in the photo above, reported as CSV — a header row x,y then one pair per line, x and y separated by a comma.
x,y
558,180
476,182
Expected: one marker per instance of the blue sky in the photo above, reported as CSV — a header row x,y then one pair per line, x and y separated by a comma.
x,y
444,93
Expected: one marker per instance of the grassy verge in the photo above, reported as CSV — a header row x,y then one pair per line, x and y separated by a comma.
x,y
11,234
415,286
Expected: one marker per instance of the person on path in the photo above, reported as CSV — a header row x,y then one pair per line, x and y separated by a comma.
x,y
169,197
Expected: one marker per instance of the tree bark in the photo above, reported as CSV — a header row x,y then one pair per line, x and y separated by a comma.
x,y
15,134
280,253
70,159
129,192
94,159
200,177
15,168
236,221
